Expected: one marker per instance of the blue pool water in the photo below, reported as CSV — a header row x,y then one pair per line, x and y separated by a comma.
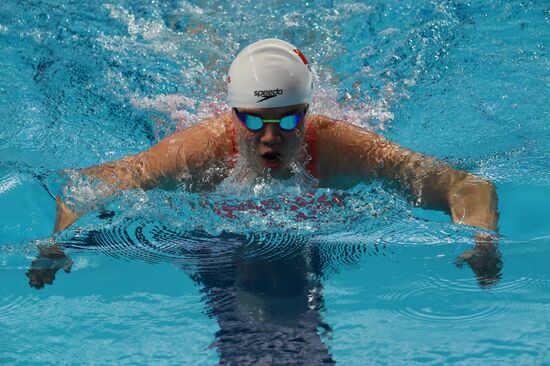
x,y
362,279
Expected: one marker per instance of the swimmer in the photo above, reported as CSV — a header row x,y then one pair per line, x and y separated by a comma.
x,y
269,127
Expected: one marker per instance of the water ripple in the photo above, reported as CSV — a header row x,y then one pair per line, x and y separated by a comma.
x,y
520,285
34,330
151,242
419,299
18,319
275,246
12,304
427,315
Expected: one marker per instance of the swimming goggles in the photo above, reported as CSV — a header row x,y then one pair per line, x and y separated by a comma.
x,y
255,123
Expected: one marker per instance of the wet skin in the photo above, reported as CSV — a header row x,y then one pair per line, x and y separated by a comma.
x,y
271,149
343,151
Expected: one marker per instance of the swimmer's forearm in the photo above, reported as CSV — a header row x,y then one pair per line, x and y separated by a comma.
x,y
64,217
470,200
427,180
112,183
473,201
126,173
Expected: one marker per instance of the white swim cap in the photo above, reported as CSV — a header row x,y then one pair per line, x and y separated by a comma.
x,y
268,74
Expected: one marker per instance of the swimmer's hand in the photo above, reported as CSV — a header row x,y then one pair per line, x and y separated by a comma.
x,y
51,259
45,266
64,217
485,260
473,201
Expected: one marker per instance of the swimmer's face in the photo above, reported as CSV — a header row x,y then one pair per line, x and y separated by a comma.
x,y
270,149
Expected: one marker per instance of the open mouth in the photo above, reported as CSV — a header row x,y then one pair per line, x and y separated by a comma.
x,y
271,156
271,159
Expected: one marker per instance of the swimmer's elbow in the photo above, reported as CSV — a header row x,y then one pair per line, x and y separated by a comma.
x,y
474,201
477,187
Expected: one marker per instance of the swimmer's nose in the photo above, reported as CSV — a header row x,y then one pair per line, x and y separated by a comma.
x,y
271,134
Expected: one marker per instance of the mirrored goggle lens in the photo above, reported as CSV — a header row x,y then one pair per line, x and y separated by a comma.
x,y
254,123
251,122
291,122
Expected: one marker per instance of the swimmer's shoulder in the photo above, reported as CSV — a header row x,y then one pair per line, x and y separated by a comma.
x,y
320,122
212,134
218,126
215,127
345,152
215,124
319,126
330,128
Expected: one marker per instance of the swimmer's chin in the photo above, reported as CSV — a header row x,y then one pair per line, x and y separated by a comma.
x,y
272,165
280,172
276,168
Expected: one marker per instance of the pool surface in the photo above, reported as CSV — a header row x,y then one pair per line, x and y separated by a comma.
x,y
271,272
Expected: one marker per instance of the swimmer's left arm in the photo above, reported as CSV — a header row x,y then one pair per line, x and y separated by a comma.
x,y
473,201
352,151
469,199
346,150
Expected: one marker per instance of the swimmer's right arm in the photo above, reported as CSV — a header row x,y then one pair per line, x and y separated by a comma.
x,y
187,153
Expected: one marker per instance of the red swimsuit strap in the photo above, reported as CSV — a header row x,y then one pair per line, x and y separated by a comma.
x,y
311,165
233,140
234,150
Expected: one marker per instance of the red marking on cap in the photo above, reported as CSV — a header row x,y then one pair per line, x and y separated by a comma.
x,y
301,55
229,79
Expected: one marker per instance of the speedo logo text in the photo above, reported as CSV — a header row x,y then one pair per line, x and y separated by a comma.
x,y
267,94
